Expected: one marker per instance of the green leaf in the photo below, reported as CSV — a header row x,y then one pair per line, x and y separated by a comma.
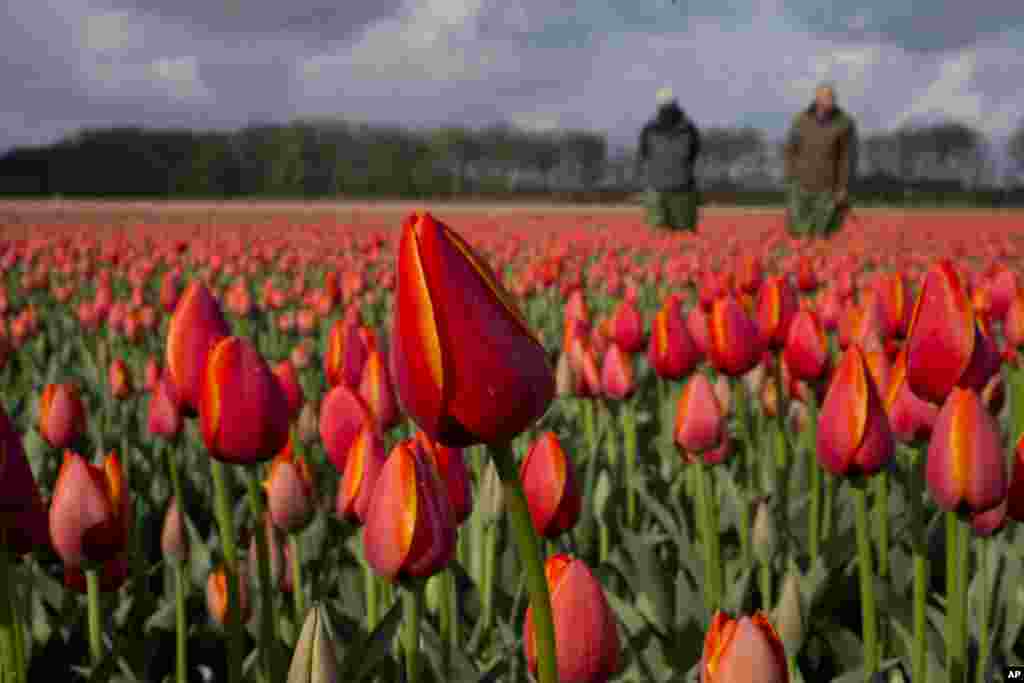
x,y
648,580
364,659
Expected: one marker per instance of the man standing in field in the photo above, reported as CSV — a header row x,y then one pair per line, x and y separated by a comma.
x,y
820,158
669,145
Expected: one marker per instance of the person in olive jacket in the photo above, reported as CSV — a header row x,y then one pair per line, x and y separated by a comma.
x,y
820,160
668,150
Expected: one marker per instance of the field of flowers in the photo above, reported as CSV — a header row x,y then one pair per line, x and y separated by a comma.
x,y
273,444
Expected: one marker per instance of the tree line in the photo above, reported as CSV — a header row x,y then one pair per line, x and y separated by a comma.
x,y
331,158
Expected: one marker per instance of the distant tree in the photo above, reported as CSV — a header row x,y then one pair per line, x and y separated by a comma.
x,y
729,152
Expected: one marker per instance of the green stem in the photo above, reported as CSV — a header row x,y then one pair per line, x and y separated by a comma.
x,y
267,631
700,508
828,515
712,568
92,584
413,611
530,559
963,582
953,646
8,646
983,635
225,521
444,618
919,550
454,630
814,476
180,625
629,441
740,406
881,482
867,587
372,600
490,549
764,576
298,592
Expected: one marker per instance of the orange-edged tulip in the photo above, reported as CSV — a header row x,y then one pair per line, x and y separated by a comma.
x,y
90,514
734,340
671,352
1015,491
289,380
806,276
365,459
944,346
345,353
586,376
806,351
749,273
217,595
153,373
586,635
910,418
617,380
777,303
965,470
880,368
451,468
409,529
113,574
549,483
22,515
291,492
342,415
467,367
174,539
120,379
628,327
243,411
375,389
743,650
894,295
61,415
854,437
697,326
699,424
195,327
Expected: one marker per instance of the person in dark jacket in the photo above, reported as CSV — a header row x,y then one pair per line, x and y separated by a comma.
x,y
820,159
669,145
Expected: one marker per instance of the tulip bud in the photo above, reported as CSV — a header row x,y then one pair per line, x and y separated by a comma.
x,y
671,352
697,326
195,327
699,420
451,468
217,595
549,483
164,415
61,415
315,659
242,409
806,351
586,635
763,537
375,389
965,470
365,459
307,426
289,381
342,415
617,380
734,340
467,367
990,522
776,305
492,493
153,374
565,380
790,614
90,512
174,541
743,650
627,327
910,418
120,380
854,437
291,493
409,530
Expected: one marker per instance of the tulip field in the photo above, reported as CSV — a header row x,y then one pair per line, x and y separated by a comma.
x,y
301,444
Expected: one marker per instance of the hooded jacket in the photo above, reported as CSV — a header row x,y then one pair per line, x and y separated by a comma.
x,y
669,145
821,156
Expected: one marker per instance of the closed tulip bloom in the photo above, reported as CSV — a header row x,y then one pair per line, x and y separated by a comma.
x,y
699,423
165,417
586,635
806,351
22,514
61,415
586,375
777,303
120,379
549,483
894,295
409,530
365,460
243,411
217,595
806,276
174,539
195,327
744,650
315,659
628,327
451,468
90,512
910,418
375,389
342,415
345,354
854,437
966,470
153,373
468,369
671,351
1015,491
734,340
291,492
880,369
749,273
697,326
617,380
289,381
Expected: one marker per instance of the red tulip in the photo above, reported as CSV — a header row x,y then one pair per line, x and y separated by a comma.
x,y
451,467
1013,324
217,595
617,380
806,352
586,376
586,635
910,418
375,389
697,326
61,415
22,516
894,295
174,538
699,425
743,650
164,414
289,381
966,471
409,530
854,437
549,483
467,368
91,511
346,353
628,327
776,305
342,415
365,459
991,522
291,492
153,374
735,342
196,326
120,379
671,351
243,412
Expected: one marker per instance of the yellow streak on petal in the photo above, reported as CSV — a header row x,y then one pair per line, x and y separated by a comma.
x,y
426,321
961,427
408,499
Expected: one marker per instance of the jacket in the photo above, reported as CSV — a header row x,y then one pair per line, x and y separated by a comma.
x,y
821,156
669,146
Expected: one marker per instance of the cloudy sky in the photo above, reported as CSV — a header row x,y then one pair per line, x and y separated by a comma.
x,y
594,64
